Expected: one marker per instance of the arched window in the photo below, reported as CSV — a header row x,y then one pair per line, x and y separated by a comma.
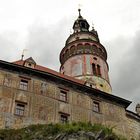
x,y
100,50
72,49
98,70
94,69
79,48
87,44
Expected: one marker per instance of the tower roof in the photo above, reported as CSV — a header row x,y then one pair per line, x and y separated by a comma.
x,y
80,23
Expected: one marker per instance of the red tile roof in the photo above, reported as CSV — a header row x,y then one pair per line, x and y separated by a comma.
x,y
45,69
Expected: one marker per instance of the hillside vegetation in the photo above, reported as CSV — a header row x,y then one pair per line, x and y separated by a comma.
x,y
73,131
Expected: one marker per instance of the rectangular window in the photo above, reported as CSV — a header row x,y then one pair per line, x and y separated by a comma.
x,y
19,109
63,95
98,70
63,118
94,69
7,82
23,84
43,88
96,106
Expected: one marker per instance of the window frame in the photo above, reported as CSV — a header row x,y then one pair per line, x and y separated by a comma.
x,y
7,82
63,95
20,109
96,107
24,84
43,88
94,69
63,117
98,70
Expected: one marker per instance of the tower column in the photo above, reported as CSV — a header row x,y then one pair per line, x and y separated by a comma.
x,y
84,57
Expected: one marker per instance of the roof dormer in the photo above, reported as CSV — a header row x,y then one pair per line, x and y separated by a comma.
x,y
29,63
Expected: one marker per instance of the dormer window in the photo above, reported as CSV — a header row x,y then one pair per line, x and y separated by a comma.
x,y
83,25
30,63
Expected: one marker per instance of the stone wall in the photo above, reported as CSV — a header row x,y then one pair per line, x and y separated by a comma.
x,y
43,105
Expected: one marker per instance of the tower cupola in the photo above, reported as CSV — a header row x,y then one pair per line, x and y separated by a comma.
x,y
84,57
80,24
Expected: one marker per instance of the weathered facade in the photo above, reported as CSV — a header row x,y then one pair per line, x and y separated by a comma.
x,y
32,94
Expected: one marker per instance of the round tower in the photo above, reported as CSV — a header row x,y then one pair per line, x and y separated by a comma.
x,y
84,57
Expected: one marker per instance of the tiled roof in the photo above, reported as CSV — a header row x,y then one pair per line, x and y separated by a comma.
x,y
45,69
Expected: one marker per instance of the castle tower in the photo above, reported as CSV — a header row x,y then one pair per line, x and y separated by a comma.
x,y
84,57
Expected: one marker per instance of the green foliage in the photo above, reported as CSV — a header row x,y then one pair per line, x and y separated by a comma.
x,y
41,131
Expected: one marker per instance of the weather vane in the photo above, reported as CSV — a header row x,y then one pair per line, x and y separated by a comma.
x,y
79,9
79,6
22,56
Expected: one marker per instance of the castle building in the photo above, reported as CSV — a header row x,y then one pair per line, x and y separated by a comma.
x,y
81,91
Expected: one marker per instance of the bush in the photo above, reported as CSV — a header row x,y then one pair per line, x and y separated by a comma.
x,y
44,131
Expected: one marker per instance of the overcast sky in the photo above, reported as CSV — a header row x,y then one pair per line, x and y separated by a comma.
x,y
42,27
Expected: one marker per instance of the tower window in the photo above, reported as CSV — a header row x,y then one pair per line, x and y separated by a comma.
x,y
98,70
94,58
83,25
23,84
94,69
100,50
101,85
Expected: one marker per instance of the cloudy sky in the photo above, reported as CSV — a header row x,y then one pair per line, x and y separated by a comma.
x,y
42,26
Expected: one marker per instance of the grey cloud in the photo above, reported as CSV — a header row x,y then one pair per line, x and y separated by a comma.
x,y
45,43
8,46
126,77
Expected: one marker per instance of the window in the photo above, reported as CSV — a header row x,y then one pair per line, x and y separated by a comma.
x,y
20,109
24,85
63,118
96,106
94,58
43,88
101,85
94,68
29,64
63,95
7,82
98,70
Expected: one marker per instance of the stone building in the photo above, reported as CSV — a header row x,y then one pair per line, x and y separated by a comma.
x,y
81,91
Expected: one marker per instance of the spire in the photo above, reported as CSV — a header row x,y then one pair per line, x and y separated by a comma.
x,y
79,10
